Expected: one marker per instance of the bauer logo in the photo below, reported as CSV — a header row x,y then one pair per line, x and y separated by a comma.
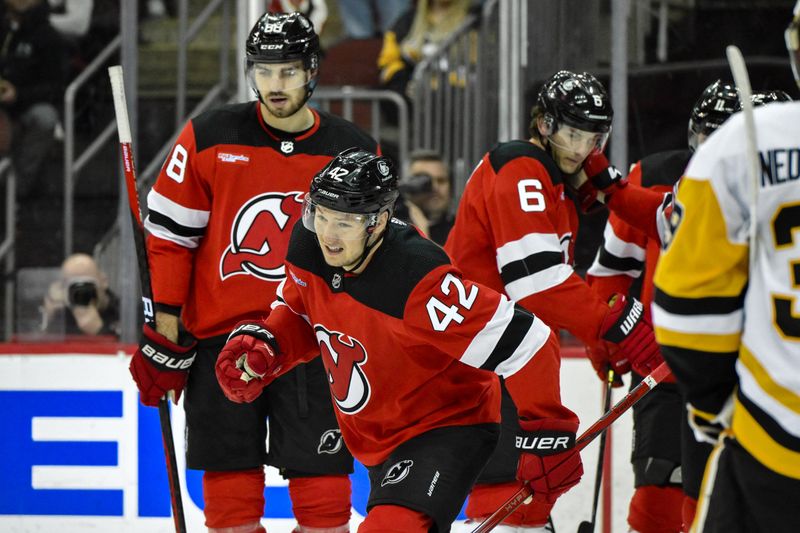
x,y
397,472
545,444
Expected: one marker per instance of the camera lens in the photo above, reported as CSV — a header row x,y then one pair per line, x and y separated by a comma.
x,y
417,184
81,293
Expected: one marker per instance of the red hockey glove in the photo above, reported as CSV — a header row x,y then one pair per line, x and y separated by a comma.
x,y
548,461
589,198
627,326
600,357
247,362
602,174
160,366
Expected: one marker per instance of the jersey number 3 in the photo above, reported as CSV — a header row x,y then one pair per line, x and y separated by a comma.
x,y
785,221
441,314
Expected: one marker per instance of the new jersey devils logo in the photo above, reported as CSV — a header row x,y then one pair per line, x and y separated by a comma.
x,y
397,472
330,442
343,357
260,236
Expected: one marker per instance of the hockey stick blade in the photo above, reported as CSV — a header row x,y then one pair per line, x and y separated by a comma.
x,y
124,131
588,526
525,493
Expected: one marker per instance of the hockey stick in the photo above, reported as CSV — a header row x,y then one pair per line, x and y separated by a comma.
x,y
525,493
742,81
124,131
588,526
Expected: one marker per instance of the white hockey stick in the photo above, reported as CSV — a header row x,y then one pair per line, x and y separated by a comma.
x,y
742,81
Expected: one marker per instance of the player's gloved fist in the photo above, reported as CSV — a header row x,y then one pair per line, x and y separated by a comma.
x,y
602,174
626,325
247,362
600,357
160,366
548,460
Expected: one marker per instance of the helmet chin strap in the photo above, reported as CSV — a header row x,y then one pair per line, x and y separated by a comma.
x,y
367,249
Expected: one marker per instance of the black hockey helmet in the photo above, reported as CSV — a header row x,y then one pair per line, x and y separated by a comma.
x,y
283,37
792,37
717,103
767,97
577,100
356,181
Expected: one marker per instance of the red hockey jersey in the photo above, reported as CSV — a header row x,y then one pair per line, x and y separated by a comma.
x,y
627,252
408,344
223,207
515,232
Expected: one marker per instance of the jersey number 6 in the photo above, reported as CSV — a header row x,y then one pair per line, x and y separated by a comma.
x,y
442,314
530,199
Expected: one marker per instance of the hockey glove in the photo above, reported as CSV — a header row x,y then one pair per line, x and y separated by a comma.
x,y
707,427
626,326
605,177
160,366
600,358
548,460
247,362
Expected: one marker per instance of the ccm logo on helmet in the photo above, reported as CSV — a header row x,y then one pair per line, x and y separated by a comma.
x,y
551,444
165,360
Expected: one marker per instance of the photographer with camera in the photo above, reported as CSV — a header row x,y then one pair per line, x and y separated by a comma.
x,y
80,302
428,185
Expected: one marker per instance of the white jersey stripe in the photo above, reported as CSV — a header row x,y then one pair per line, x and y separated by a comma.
x,y
538,281
530,244
484,342
722,324
184,216
622,248
163,233
535,338
785,417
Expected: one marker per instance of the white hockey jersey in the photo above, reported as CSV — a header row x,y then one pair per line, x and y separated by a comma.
x,y
726,326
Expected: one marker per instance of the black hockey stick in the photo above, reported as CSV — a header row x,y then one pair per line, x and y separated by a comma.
x,y
588,526
525,493
124,131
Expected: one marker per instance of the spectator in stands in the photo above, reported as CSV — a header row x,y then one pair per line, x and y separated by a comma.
x,y
429,186
365,19
32,75
71,18
80,301
416,35
315,10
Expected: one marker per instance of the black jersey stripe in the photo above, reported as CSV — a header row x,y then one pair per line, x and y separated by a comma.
x,y
712,305
775,431
173,227
530,265
512,337
620,264
506,152
692,369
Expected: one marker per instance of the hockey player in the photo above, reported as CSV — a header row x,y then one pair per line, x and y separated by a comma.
x,y
220,215
411,351
660,448
726,316
514,232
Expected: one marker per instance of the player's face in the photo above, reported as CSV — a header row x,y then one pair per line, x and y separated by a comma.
x,y
282,86
570,146
437,201
341,236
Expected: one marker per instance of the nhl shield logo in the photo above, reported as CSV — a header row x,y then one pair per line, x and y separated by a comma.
x,y
330,442
397,472
287,147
